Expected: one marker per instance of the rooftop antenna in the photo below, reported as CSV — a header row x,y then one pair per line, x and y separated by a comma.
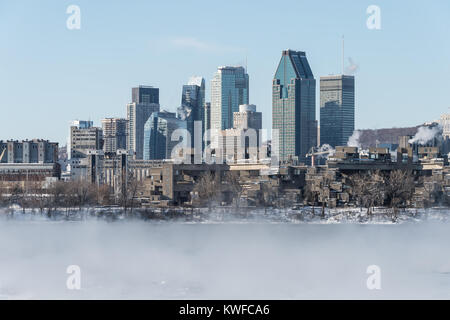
x,y
343,55
246,66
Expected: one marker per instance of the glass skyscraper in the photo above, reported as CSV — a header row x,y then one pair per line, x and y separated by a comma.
x,y
145,94
145,101
294,106
192,107
158,133
337,109
229,89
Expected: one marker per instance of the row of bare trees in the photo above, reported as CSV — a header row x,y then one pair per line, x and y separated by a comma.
x,y
394,189
211,189
73,194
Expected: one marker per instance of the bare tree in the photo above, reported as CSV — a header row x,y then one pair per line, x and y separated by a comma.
x,y
56,195
368,189
84,192
232,183
129,193
208,189
399,189
103,195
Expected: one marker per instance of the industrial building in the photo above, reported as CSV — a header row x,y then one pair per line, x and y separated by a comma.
x,y
28,162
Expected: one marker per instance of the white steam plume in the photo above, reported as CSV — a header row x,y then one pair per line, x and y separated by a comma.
x,y
425,134
326,148
353,141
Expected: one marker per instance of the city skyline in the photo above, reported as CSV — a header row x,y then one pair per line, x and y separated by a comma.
x,y
88,72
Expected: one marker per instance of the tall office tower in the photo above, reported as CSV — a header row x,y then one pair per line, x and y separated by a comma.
x,y
158,133
145,101
337,109
114,134
192,107
145,94
83,138
247,117
229,89
294,106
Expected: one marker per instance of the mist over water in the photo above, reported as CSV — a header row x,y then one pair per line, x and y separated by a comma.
x,y
149,260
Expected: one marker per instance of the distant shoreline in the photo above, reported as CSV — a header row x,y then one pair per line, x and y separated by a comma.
x,y
303,215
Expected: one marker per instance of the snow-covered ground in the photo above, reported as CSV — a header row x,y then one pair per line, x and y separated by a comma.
x,y
307,215
281,254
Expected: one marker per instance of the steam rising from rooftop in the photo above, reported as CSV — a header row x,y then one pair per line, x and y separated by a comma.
x,y
426,133
353,141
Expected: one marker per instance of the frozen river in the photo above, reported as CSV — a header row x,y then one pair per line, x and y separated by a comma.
x,y
147,260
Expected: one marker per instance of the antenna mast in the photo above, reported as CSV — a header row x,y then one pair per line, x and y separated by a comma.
x,y
343,55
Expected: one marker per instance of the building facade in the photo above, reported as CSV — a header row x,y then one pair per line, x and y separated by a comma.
x,y
192,109
145,101
243,141
83,138
247,117
28,151
229,89
207,122
145,95
114,134
27,164
158,132
294,106
337,109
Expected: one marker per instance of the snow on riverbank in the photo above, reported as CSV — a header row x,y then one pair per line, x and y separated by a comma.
x,y
232,215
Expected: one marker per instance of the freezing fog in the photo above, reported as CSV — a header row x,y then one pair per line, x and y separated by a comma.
x,y
175,260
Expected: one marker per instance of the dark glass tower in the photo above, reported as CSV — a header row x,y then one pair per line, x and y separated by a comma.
x,y
192,106
337,109
294,106
158,132
145,95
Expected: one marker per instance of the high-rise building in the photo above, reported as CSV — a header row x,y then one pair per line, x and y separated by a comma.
x,y
243,141
247,117
207,121
114,134
84,137
158,133
229,89
337,109
145,94
145,101
294,106
192,108
444,121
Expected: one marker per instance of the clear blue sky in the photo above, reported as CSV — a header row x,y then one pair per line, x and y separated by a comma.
x,y
50,75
